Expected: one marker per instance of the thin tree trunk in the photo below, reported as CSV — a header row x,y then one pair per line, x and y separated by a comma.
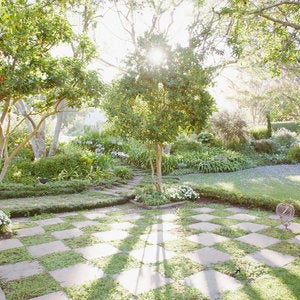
x,y
152,167
158,152
58,126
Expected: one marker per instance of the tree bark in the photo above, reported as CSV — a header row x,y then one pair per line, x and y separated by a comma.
x,y
58,126
158,152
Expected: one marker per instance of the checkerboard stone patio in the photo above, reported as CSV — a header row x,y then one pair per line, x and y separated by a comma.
x,y
146,277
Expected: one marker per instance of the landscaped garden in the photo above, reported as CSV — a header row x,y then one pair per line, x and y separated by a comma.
x,y
142,186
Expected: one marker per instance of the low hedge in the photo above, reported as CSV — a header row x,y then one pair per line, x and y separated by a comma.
x,y
8,191
60,208
243,200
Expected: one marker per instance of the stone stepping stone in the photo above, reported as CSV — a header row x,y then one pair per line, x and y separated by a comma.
x,y
274,217
47,248
295,239
47,222
204,226
158,237
53,296
82,224
131,217
271,258
2,295
76,274
141,280
168,217
212,283
253,227
244,217
95,215
207,239
96,251
10,244
112,235
20,270
122,225
30,231
67,234
207,256
294,227
152,254
258,240
204,209
164,226
204,217
235,209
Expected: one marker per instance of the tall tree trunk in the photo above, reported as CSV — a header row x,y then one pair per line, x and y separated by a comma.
x,y
58,126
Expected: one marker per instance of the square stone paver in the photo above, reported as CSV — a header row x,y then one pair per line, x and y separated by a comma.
x,y
10,244
122,225
204,209
53,296
271,258
235,209
152,254
141,280
295,239
207,256
66,214
253,227
30,231
205,226
212,283
81,224
112,235
2,295
76,274
164,226
204,217
95,215
131,217
47,222
244,217
294,227
158,237
67,234
207,239
47,248
168,217
96,251
20,270
258,240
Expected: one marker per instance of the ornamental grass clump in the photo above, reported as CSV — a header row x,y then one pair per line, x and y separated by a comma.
x,y
5,223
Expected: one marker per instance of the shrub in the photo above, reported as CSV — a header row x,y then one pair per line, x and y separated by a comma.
x,y
208,138
259,133
292,126
265,146
123,172
294,153
5,223
186,143
230,128
284,137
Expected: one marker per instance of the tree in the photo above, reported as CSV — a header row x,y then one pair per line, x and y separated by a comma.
x,y
265,31
161,93
33,83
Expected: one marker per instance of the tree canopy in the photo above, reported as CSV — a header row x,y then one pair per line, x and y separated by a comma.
x,y
153,102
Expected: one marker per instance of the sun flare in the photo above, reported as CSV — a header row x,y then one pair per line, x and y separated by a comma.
x,y
156,56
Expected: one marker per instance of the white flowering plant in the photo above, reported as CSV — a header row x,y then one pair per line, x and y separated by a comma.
x,y
5,223
180,193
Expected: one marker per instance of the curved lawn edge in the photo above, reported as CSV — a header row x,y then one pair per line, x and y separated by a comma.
x,y
246,201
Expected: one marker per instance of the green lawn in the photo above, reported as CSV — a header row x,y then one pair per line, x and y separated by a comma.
x,y
277,182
